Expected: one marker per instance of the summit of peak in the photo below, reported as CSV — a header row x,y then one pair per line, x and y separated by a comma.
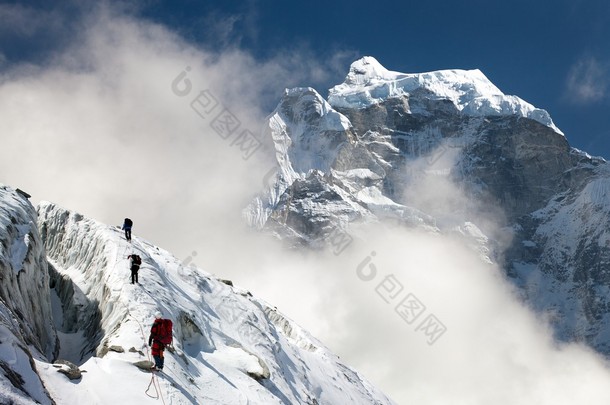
x,y
367,70
369,83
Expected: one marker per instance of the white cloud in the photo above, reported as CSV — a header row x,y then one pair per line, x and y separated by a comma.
x,y
483,346
101,131
588,81
494,349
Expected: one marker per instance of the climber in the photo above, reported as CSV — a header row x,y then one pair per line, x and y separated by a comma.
x,y
160,337
127,227
135,261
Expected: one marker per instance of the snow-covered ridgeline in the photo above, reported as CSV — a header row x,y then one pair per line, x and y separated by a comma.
x,y
308,135
231,348
302,111
25,313
360,151
369,83
83,258
318,154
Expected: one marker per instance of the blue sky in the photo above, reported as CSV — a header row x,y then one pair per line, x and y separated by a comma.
x,y
555,55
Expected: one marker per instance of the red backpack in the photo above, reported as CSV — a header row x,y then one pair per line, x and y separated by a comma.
x,y
164,331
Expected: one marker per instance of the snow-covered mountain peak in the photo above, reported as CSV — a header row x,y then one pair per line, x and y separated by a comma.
x,y
307,132
366,71
547,203
471,92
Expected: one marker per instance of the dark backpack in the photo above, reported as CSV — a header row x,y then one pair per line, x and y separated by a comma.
x,y
136,260
128,222
164,331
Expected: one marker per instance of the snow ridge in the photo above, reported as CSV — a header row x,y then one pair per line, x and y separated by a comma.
x,y
230,347
369,83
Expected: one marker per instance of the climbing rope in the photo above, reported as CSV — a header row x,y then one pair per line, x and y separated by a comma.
x,y
166,368
148,388
120,256
122,250
154,382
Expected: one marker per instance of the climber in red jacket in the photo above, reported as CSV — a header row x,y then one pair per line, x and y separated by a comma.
x,y
160,336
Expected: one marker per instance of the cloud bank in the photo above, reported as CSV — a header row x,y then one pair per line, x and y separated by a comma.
x,y
425,316
124,123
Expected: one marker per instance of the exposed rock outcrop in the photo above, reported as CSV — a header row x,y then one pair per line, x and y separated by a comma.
x,y
542,206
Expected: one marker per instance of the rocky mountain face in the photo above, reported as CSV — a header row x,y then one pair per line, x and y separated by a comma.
x,y
541,207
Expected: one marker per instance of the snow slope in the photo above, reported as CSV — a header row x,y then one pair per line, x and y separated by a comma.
x,y
230,348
